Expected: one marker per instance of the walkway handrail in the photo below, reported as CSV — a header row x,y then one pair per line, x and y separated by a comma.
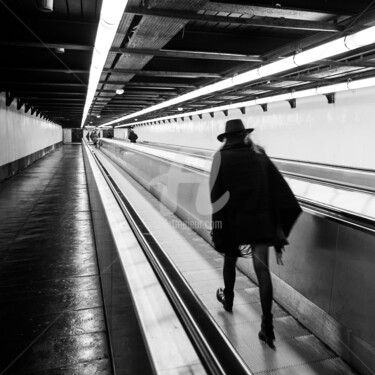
x,y
156,316
360,214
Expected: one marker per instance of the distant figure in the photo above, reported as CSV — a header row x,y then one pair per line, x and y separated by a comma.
x,y
94,137
132,136
99,143
253,209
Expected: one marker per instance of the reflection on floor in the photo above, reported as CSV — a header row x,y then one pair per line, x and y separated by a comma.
x,y
51,315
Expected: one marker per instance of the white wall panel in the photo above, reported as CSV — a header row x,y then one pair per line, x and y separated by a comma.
x,y
339,134
22,134
121,133
67,135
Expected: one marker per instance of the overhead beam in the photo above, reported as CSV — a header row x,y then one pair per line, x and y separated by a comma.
x,y
23,83
113,111
130,96
27,93
64,21
129,100
122,106
368,18
149,84
120,71
111,105
353,63
63,111
135,105
58,105
297,78
270,11
317,38
40,104
164,73
322,82
77,47
262,87
49,99
44,70
102,105
134,90
119,110
267,22
187,54
140,51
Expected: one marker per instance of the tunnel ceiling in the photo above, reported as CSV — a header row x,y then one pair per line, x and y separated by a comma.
x,y
165,48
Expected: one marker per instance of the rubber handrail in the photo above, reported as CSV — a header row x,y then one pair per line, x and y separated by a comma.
x,y
340,215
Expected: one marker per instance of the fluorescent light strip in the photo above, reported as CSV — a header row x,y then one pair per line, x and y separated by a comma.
x,y
110,17
185,114
336,47
361,83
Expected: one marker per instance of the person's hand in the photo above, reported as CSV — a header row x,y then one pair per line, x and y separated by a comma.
x,y
279,255
279,258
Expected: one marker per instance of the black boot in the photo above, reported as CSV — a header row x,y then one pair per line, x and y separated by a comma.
x,y
225,299
266,333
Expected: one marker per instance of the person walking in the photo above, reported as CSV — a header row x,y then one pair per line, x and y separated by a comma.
x,y
253,208
94,137
132,136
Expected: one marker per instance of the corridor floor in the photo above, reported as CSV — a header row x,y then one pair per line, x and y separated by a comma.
x,y
51,314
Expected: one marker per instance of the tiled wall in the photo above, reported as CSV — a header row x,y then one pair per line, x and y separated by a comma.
x,y
22,134
23,138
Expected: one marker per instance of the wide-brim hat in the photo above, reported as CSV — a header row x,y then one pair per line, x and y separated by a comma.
x,y
233,127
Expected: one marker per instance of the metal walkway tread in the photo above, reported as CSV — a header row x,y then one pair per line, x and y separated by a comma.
x,y
297,350
51,316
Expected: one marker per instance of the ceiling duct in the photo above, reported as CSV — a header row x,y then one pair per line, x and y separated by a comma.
x,y
45,5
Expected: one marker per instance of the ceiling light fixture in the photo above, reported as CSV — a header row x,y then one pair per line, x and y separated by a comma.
x,y
60,50
45,5
332,88
338,46
345,86
359,84
110,17
276,98
119,91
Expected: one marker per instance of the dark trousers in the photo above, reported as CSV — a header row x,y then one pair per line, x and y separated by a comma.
x,y
261,268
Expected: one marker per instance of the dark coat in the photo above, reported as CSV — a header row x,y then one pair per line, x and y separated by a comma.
x,y
132,136
251,201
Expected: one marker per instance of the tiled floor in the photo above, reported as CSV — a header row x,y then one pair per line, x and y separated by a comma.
x,y
51,312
